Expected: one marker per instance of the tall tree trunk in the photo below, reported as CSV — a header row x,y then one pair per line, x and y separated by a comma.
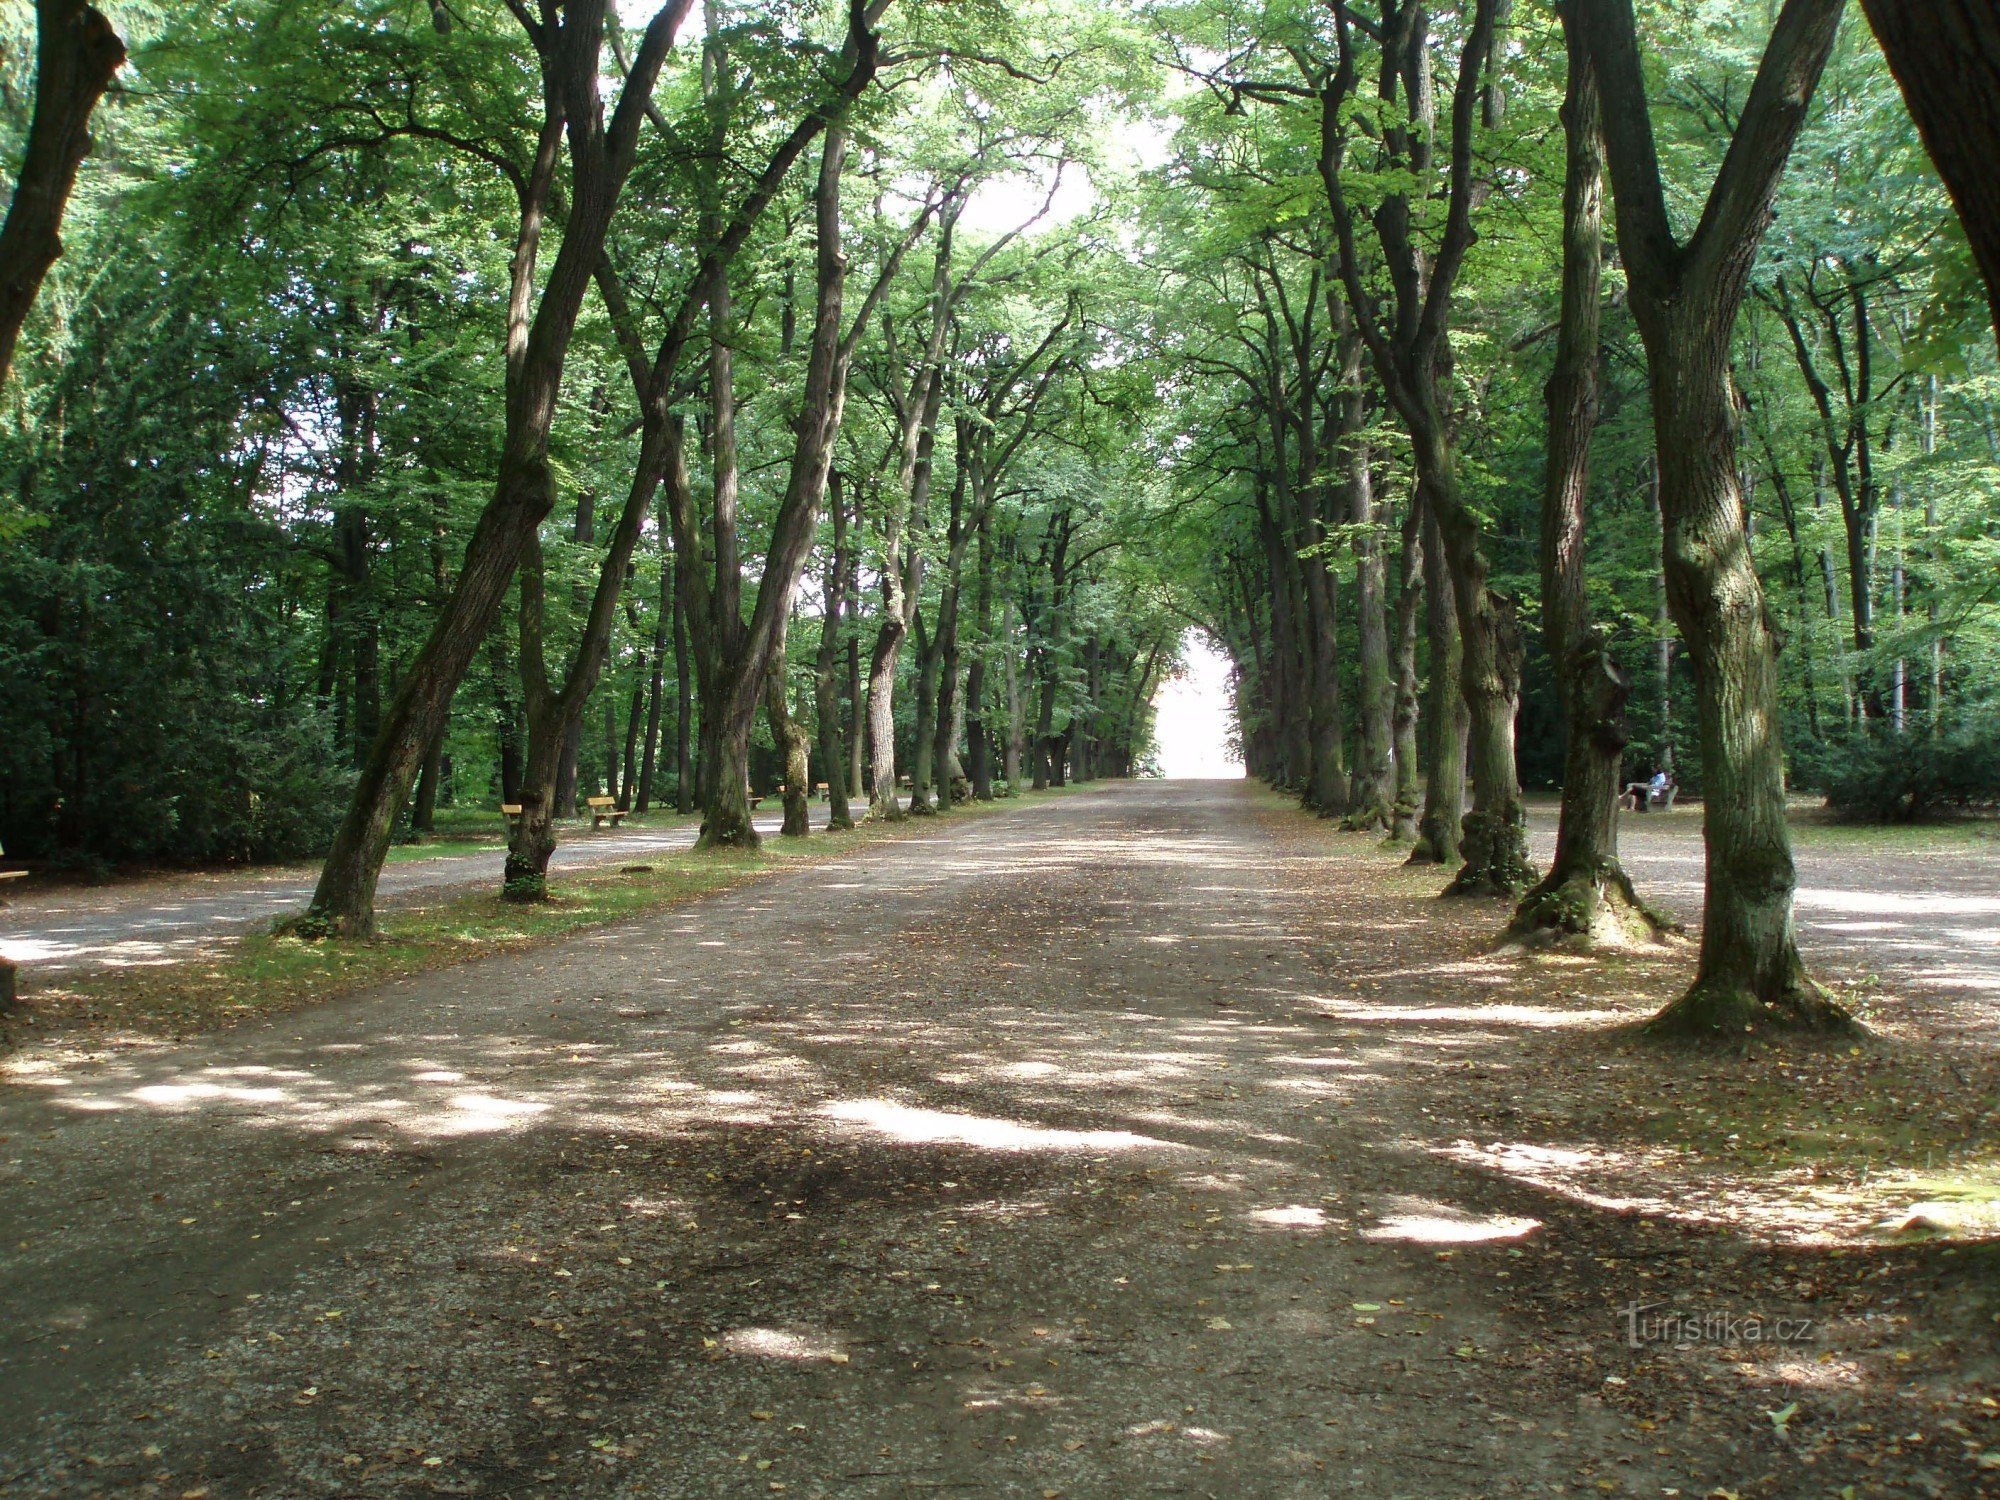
x,y
857,714
423,811
1403,725
826,668
1010,767
923,738
1444,716
506,718
1586,896
684,772
77,54
1373,797
979,744
1685,299
663,626
789,735
635,720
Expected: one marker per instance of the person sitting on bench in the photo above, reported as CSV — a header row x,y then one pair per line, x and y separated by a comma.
x,y
1643,796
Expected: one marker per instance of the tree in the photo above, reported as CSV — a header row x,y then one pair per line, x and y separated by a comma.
x,y
1410,345
1685,298
77,54
1586,895
539,331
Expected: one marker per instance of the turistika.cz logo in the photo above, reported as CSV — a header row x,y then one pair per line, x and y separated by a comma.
x,y
1658,1323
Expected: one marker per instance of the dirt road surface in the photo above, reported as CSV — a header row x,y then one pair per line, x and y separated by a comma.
x,y
71,930
1059,1155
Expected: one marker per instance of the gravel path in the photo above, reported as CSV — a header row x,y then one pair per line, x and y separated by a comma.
x,y
1028,1157
72,930
1930,918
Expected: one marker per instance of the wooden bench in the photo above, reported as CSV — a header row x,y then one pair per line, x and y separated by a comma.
x,y
602,808
511,811
820,789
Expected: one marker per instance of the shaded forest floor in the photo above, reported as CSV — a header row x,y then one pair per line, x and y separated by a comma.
x,y
1154,1140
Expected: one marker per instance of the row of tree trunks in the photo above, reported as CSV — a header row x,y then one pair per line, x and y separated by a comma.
x,y
1411,352
539,331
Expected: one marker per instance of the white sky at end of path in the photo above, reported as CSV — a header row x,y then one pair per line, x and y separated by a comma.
x,y
1194,716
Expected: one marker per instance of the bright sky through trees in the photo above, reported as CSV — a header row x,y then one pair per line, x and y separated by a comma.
x,y
1195,715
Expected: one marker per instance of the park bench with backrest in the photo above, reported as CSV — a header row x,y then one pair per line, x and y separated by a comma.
x,y
602,808
1643,796
511,811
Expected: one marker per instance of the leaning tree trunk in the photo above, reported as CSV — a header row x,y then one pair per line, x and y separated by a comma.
x,y
1946,56
77,54
1586,898
343,902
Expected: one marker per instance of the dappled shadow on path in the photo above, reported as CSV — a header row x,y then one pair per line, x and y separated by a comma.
x,y
1150,1022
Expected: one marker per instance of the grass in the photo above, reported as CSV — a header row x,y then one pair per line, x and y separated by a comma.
x,y
266,973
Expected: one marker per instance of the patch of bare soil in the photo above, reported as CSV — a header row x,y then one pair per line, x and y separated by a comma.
x,y
1156,1141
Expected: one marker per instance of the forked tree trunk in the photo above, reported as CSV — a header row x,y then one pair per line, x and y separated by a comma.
x,y
1586,898
77,54
1412,356
1685,300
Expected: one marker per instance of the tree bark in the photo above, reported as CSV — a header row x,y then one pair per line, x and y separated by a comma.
x,y
663,626
1586,898
1946,56
979,744
1372,798
1444,719
826,668
77,54
1403,725
1685,299
790,737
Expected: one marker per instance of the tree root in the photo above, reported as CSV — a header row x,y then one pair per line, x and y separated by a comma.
x,y
1495,849
1588,907
1716,1011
